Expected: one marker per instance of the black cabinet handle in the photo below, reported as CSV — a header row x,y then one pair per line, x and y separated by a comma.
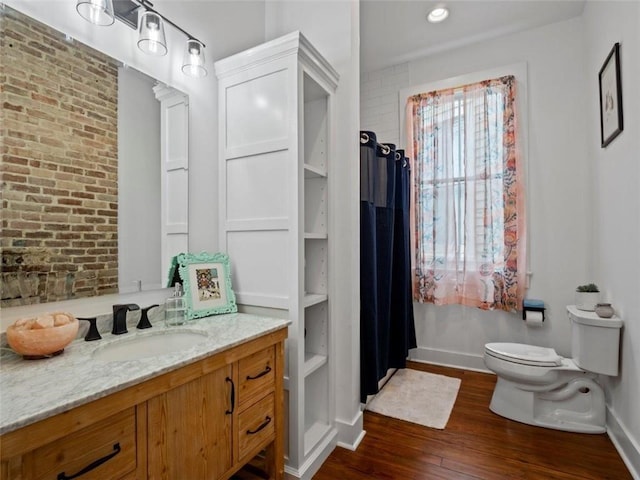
x,y
233,396
91,466
261,374
266,422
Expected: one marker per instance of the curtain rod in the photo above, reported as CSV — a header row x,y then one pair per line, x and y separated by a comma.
x,y
364,138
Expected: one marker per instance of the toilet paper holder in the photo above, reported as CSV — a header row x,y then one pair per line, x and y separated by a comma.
x,y
532,305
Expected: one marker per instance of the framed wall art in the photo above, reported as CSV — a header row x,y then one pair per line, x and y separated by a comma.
x,y
206,279
611,123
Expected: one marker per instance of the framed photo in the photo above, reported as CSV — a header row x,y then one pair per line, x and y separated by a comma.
x,y
206,279
610,97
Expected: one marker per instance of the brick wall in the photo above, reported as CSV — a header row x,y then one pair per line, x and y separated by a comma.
x,y
58,134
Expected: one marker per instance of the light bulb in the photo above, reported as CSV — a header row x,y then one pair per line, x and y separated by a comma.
x,y
438,14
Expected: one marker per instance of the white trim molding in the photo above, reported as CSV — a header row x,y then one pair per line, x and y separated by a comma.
x,y
351,433
448,358
625,444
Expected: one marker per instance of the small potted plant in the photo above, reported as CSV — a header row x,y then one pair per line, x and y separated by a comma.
x,y
587,297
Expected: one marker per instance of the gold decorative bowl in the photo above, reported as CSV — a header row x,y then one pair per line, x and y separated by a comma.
x,y
43,336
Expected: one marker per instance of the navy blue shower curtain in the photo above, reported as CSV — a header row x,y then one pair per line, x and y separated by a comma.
x,y
387,330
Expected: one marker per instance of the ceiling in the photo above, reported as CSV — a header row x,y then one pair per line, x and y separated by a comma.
x,y
396,31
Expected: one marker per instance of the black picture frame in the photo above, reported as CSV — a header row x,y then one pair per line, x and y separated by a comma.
x,y
610,86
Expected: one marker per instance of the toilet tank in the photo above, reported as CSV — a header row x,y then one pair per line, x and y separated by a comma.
x,y
595,341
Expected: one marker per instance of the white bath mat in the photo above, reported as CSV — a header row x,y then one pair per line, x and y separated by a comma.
x,y
418,397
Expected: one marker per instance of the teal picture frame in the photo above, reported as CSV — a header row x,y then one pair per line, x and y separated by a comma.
x,y
206,279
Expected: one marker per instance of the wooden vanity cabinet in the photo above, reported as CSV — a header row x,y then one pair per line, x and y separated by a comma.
x,y
189,427
202,421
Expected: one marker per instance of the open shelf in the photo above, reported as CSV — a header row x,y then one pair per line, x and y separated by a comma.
x,y
315,236
312,362
315,272
316,413
311,171
311,299
316,202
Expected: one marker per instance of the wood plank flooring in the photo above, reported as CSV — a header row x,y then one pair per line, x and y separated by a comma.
x,y
476,444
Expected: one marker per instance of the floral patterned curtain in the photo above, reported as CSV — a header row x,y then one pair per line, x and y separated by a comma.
x,y
468,197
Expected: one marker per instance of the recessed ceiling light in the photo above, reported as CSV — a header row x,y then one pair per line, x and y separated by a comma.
x,y
438,14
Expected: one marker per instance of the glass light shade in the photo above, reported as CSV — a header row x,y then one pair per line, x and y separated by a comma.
x,y
193,63
98,12
151,37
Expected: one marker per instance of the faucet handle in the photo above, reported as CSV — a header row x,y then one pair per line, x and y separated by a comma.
x,y
120,317
144,318
93,333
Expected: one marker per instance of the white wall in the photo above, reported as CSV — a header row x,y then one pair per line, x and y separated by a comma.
x,y
333,28
615,223
138,182
558,184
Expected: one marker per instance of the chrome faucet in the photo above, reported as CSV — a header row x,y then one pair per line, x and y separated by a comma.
x,y
120,317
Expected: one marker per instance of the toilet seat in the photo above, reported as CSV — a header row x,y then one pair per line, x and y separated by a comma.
x,y
524,354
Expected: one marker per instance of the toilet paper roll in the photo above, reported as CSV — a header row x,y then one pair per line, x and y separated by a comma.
x,y
533,319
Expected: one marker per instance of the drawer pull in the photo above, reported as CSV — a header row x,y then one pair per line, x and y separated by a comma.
x,y
233,396
261,374
266,422
91,466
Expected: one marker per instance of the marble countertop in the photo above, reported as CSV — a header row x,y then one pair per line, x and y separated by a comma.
x,y
32,390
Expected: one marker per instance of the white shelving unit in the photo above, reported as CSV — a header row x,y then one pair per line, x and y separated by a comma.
x,y
276,103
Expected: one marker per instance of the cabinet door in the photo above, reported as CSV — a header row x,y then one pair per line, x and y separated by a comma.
x,y
189,429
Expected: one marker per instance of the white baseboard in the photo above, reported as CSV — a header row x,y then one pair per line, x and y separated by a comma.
x,y
350,434
448,359
627,447
320,454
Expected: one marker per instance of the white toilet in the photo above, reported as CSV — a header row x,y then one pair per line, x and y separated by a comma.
x,y
539,387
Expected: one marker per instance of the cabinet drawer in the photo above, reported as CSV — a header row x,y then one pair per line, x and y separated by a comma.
x,y
111,440
256,376
256,426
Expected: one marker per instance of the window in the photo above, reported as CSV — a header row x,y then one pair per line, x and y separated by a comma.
x,y
468,196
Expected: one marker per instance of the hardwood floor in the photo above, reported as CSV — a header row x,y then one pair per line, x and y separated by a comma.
x,y
476,444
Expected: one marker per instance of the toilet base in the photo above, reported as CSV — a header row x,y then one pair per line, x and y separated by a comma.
x,y
577,406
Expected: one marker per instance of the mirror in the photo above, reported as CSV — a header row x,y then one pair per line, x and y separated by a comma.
x,y
82,191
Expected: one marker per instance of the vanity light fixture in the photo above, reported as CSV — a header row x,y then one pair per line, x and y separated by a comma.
x,y
193,64
98,12
151,37
438,14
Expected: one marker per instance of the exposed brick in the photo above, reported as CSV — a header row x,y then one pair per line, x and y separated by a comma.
x,y
59,153
10,106
38,199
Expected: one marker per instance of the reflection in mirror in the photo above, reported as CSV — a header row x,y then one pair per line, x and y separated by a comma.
x,y
80,208
138,182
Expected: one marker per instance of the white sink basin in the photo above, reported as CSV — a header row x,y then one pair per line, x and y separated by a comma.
x,y
150,345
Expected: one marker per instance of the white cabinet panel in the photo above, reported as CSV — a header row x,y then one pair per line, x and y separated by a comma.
x,y
177,129
257,187
258,262
267,101
177,197
174,174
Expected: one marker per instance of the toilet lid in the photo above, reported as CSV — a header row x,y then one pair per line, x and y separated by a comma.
x,y
525,354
